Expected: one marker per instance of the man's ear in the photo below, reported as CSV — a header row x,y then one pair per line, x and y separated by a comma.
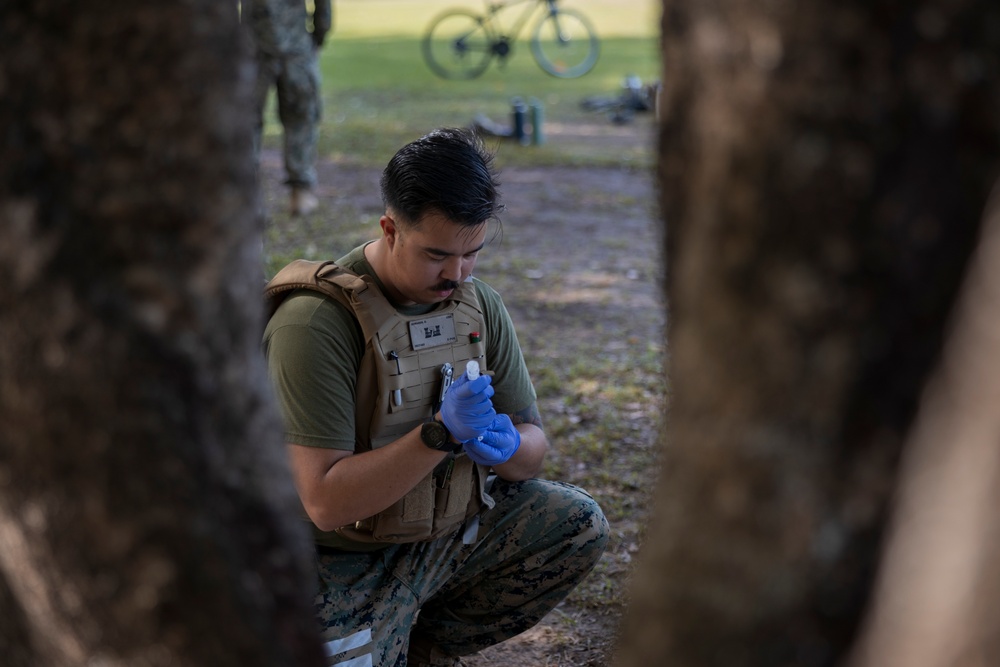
x,y
390,230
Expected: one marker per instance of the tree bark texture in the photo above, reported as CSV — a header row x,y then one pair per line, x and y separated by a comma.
x,y
824,169
146,511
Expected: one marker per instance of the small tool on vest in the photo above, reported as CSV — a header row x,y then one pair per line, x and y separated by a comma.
x,y
447,375
397,394
443,476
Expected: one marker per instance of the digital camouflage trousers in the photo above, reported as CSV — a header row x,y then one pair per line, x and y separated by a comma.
x,y
296,81
426,603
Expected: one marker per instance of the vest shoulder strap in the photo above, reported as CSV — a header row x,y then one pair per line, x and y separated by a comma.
x,y
358,293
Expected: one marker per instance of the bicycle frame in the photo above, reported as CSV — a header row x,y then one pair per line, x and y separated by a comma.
x,y
460,43
495,9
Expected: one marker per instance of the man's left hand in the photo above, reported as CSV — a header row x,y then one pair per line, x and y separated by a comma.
x,y
498,444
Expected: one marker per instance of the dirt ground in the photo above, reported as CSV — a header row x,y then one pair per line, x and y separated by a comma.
x,y
579,267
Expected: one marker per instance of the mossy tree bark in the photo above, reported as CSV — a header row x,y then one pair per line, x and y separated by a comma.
x,y
824,169
147,516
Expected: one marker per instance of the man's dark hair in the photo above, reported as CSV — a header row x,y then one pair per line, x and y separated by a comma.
x,y
448,171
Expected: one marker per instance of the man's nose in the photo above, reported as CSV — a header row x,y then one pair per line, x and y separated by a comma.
x,y
452,269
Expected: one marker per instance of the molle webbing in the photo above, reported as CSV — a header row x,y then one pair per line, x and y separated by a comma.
x,y
397,388
416,374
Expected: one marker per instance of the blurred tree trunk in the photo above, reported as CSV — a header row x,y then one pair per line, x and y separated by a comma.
x,y
146,512
824,170
937,601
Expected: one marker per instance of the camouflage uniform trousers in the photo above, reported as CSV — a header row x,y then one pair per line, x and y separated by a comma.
x,y
296,80
427,602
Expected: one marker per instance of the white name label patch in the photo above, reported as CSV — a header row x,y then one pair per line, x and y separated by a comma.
x,y
433,331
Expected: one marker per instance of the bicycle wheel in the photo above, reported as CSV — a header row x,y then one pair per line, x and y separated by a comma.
x,y
457,45
564,44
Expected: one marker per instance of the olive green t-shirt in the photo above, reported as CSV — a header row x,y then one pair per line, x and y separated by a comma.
x,y
314,346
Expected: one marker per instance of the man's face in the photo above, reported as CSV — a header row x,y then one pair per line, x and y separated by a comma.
x,y
432,258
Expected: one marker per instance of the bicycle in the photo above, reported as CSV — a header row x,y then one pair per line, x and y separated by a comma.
x,y
459,43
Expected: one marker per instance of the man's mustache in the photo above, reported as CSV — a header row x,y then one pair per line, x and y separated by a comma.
x,y
446,285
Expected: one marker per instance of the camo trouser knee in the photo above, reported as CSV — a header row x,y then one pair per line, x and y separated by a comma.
x,y
429,601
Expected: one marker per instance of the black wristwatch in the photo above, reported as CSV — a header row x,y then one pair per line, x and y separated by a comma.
x,y
436,436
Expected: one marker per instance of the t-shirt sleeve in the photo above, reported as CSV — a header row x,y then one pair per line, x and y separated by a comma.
x,y
313,349
511,380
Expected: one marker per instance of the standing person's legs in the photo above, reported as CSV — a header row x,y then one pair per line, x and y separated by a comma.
x,y
538,543
267,75
300,109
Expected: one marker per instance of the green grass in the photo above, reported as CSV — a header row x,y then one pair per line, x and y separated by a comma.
x,y
378,93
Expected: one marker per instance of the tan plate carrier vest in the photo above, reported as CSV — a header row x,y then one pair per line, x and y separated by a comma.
x,y
395,392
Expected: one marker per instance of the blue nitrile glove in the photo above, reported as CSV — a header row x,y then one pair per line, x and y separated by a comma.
x,y
498,444
467,410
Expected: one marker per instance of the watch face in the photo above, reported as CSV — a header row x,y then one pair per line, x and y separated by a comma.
x,y
434,435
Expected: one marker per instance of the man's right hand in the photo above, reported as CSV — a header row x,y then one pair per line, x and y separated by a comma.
x,y
467,411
